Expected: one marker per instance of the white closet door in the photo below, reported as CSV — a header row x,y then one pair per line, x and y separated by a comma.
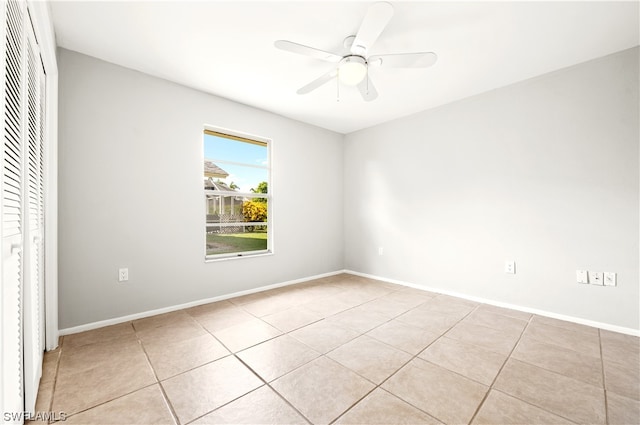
x,y
34,247
41,196
13,113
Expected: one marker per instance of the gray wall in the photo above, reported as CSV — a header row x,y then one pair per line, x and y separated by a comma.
x,y
130,193
544,172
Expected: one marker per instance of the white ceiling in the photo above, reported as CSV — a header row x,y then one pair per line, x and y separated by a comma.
x,y
226,48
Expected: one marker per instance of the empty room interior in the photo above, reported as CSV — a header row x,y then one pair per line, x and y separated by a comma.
x,y
311,212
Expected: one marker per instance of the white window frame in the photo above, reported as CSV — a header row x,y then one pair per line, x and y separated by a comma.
x,y
244,138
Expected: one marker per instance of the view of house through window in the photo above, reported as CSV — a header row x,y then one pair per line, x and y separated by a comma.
x,y
237,195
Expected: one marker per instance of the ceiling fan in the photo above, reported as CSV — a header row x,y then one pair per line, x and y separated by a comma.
x,y
353,67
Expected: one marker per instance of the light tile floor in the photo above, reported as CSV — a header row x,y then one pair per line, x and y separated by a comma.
x,y
344,350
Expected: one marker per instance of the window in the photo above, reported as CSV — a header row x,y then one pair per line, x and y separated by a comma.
x,y
237,195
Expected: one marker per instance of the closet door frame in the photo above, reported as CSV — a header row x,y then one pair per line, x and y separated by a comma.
x,y
43,27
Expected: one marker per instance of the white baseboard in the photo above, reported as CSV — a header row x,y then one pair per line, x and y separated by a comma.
x,y
130,317
592,323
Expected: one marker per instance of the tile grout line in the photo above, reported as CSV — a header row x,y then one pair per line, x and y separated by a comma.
x,y
403,365
158,381
477,346
535,366
234,354
200,365
604,383
574,332
338,312
443,334
540,367
376,386
287,308
573,329
55,380
348,341
231,353
528,401
555,372
495,378
367,331
324,354
267,384
556,346
339,325
111,399
381,324
241,306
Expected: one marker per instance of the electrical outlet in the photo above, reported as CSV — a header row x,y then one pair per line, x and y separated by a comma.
x,y
596,278
609,279
582,276
380,250
510,267
123,275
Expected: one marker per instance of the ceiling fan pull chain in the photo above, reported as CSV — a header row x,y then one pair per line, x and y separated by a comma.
x,y
338,86
367,80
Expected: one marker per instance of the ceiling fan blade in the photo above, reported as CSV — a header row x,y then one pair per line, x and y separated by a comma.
x,y
375,21
404,60
367,89
318,82
301,49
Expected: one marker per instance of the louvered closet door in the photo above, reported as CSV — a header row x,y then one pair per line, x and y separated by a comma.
x,y
13,113
40,244
33,258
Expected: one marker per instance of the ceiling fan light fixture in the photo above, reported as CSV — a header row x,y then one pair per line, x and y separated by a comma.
x,y
352,70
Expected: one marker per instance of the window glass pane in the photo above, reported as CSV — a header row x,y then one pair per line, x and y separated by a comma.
x,y
235,151
236,239
222,210
237,177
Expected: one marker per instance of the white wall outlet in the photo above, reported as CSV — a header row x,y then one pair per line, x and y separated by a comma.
x,y
609,279
123,275
596,278
582,276
510,267
380,250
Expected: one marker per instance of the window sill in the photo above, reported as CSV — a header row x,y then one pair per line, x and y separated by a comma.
x,y
237,257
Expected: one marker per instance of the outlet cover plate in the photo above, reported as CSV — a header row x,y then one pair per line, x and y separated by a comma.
x,y
123,275
582,276
596,278
610,279
510,267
